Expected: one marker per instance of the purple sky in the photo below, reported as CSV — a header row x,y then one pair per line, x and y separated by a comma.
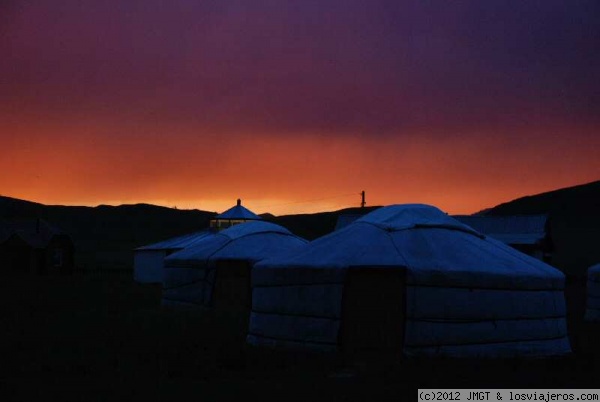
x,y
119,75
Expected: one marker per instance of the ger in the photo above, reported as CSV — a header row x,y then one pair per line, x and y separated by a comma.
x,y
478,396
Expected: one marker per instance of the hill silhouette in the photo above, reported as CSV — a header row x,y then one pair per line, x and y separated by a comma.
x,y
105,236
584,198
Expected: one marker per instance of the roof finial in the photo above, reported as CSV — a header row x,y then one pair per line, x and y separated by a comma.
x,y
239,202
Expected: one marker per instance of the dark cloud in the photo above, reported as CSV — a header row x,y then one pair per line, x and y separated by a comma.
x,y
378,67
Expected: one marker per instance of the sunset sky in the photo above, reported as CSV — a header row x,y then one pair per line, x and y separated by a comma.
x,y
297,106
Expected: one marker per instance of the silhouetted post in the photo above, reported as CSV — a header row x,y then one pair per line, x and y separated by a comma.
x,y
362,202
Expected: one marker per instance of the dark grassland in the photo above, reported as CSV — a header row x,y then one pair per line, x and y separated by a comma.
x,y
99,337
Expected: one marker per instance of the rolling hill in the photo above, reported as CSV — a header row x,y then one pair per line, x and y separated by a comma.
x,y
105,236
584,198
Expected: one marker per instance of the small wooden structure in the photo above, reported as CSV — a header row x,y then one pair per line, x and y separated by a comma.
x,y
34,246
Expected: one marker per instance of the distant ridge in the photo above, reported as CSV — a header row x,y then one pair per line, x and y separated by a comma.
x,y
105,235
583,197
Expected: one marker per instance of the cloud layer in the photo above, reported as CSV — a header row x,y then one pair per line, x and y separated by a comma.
x,y
459,104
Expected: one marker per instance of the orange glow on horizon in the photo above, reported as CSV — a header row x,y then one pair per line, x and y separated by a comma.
x,y
295,107
292,173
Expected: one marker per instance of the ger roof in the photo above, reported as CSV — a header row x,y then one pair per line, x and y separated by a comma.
x,y
238,212
435,248
179,242
253,241
516,229
410,216
253,228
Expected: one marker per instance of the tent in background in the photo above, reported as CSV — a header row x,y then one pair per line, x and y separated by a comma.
x,y
217,270
148,260
410,277
233,216
592,312
526,233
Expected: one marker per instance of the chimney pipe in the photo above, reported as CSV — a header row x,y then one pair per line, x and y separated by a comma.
x,y
239,202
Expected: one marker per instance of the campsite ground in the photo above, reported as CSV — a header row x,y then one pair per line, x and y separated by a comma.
x,y
99,337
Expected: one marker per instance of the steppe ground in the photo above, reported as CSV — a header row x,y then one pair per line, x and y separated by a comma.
x,y
85,337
